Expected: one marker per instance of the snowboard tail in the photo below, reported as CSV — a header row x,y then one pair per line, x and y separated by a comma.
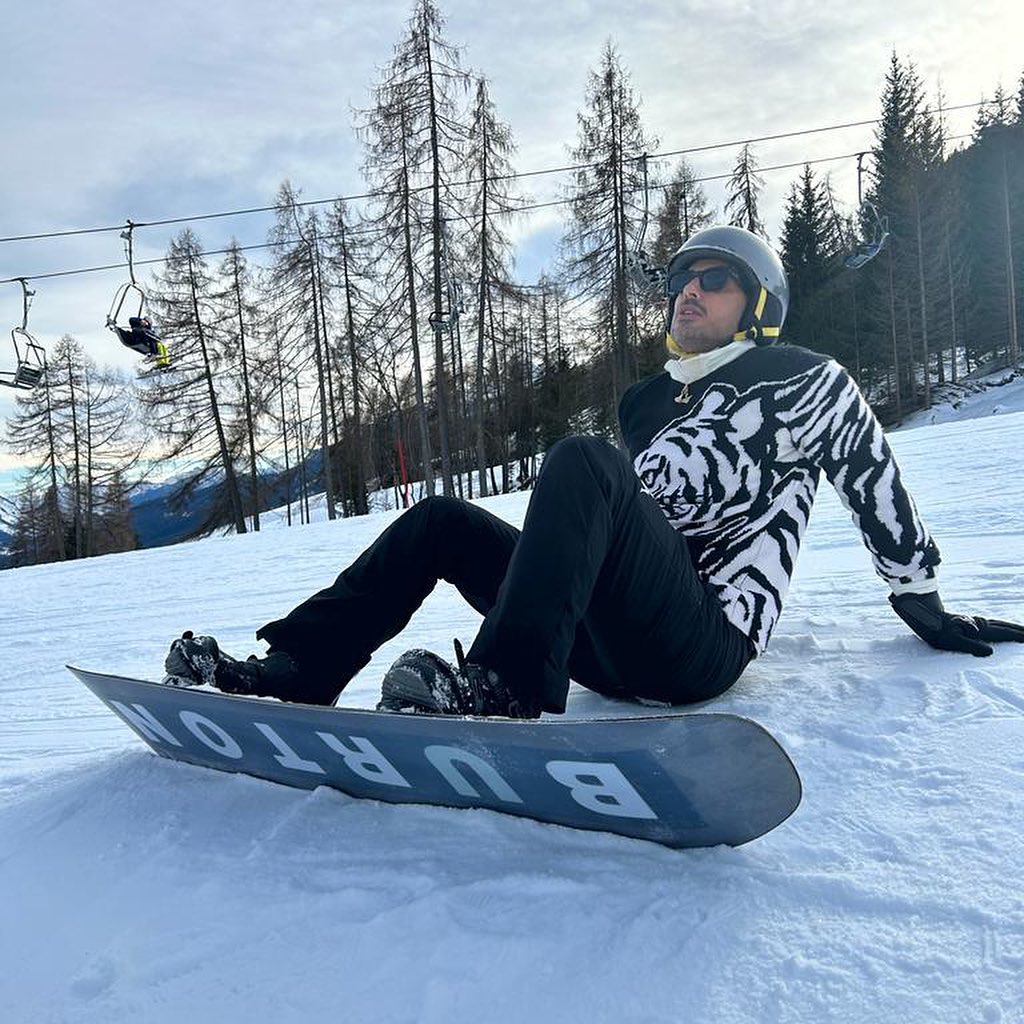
x,y
681,780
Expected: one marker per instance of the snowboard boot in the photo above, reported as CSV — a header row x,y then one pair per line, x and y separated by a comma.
x,y
191,661
272,676
199,661
420,681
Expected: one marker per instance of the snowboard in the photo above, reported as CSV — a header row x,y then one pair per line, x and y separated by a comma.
x,y
681,780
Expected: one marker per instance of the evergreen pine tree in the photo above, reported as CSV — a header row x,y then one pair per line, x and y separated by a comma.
x,y
239,321
744,191
416,134
683,210
80,431
606,207
189,409
806,254
488,251
348,256
894,322
993,201
303,321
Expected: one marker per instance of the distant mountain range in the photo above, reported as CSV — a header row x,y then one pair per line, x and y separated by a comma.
x,y
154,523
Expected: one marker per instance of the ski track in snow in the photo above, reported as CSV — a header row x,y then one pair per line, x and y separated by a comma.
x,y
137,889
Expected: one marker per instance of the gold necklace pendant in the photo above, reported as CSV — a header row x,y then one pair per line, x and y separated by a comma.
x,y
684,396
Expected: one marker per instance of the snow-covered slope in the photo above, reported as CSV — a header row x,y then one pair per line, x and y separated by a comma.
x,y
140,890
999,392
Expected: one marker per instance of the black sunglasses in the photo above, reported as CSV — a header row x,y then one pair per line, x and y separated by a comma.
x,y
710,279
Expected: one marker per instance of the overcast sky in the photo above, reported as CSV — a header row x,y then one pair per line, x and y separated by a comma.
x,y
155,110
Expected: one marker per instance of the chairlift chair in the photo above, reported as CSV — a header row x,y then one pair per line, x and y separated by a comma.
x,y
868,250
135,298
129,305
130,292
648,278
29,355
446,319
30,362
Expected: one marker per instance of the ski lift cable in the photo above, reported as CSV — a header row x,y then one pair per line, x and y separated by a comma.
x,y
245,211
153,261
163,260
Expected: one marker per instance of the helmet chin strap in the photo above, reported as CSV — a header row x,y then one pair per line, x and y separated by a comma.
x,y
762,335
673,346
756,331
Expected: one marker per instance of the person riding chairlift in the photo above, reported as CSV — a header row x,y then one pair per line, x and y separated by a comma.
x,y
143,339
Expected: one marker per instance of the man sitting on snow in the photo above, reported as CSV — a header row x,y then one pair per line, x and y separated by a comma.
x,y
654,579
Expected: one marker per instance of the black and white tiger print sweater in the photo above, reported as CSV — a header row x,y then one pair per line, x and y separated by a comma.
x,y
736,466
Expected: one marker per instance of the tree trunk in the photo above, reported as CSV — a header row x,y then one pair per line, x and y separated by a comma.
x,y
76,491
924,303
440,382
895,341
230,479
250,422
54,522
421,403
1011,288
483,303
358,488
953,370
324,388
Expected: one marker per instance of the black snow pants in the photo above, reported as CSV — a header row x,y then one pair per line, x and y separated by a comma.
x,y
597,587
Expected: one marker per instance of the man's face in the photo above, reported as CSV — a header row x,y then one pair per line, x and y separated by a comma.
x,y
705,320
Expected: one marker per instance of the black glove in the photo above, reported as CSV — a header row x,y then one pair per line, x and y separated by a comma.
x,y
924,614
